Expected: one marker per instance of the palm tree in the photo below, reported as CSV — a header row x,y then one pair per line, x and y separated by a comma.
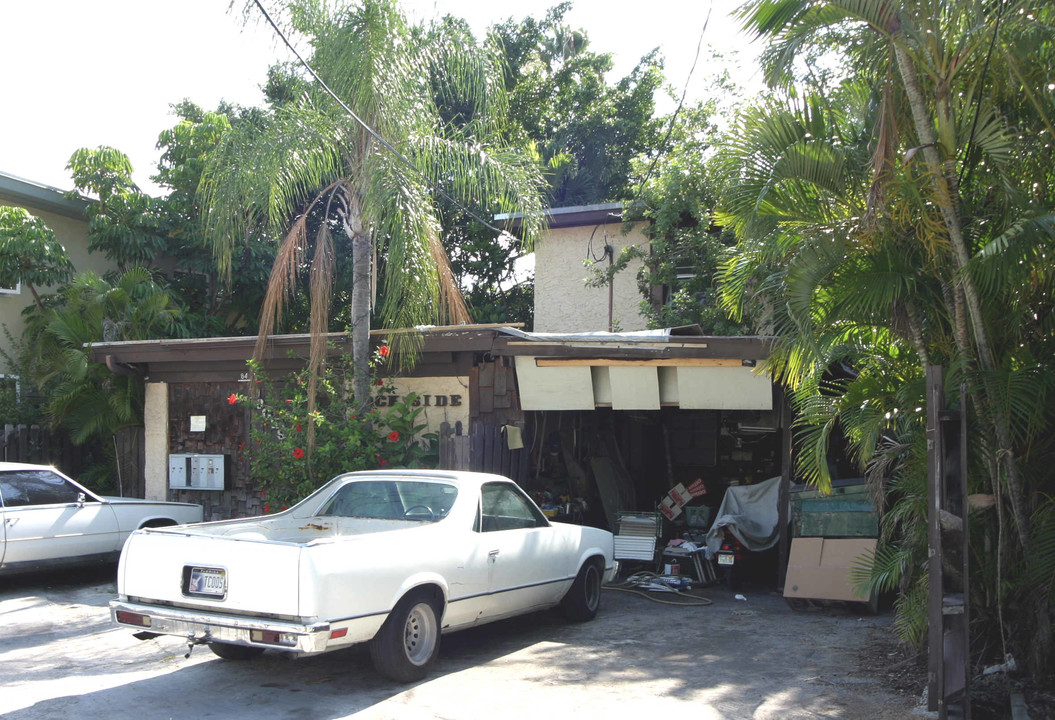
x,y
936,49
910,234
363,152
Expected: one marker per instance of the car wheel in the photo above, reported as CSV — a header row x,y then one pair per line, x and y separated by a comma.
x,y
235,652
406,646
584,597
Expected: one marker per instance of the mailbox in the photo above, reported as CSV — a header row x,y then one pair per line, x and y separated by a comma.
x,y
197,471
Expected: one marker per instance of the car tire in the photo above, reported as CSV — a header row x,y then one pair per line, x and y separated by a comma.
x,y
235,652
406,646
583,599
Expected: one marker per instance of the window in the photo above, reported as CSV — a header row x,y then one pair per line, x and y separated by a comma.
x,y
16,290
36,487
392,500
504,507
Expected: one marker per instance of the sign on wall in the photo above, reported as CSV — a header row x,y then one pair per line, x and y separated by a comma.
x,y
442,399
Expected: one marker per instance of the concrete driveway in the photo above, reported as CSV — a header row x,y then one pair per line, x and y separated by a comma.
x,y
61,658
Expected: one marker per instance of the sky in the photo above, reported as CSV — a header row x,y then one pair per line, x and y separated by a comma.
x,y
84,74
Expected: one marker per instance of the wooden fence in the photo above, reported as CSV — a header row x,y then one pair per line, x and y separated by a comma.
x,y
42,446
484,449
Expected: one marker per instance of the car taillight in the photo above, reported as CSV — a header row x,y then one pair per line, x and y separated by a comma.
x,y
338,633
272,637
131,618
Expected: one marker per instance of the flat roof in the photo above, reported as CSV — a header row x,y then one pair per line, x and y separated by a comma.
x,y
573,216
39,196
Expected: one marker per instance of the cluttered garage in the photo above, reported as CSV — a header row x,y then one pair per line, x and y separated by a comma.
x,y
676,442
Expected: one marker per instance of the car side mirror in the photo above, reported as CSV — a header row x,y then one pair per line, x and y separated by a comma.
x,y
80,499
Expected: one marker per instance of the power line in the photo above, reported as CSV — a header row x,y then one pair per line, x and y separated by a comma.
x,y
373,133
674,117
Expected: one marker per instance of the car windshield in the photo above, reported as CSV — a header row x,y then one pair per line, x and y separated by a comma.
x,y
392,500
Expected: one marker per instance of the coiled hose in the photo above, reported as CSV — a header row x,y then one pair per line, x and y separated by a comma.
x,y
646,584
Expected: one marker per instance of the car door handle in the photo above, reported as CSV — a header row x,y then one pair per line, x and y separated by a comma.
x,y
492,555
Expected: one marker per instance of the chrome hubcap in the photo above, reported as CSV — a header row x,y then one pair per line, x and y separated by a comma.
x,y
420,633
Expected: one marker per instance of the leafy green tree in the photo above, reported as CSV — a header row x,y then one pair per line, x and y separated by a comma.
x,y
314,172
164,234
677,199
586,131
29,252
581,130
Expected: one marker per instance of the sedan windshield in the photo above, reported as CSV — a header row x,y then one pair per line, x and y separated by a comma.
x,y
392,500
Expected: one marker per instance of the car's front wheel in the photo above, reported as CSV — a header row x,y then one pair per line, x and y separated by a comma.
x,y
584,597
235,652
406,646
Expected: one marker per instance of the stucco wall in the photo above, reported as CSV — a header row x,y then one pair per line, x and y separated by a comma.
x,y
73,234
563,302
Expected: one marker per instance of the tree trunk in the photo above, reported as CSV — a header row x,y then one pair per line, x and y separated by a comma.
x,y
362,272
948,202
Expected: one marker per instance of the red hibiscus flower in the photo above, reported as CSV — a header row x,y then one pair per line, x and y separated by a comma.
x,y
393,436
298,453
299,428
383,350
380,382
232,399
382,462
267,508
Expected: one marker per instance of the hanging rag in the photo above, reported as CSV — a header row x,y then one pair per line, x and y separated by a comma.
x,y
514,437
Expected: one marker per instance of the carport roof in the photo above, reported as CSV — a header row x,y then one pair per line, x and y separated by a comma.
x,y
440,342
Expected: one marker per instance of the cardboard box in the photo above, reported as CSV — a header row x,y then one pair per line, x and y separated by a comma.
x,y
820,568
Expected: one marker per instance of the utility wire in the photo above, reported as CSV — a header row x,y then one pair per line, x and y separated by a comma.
x,y
373,133
659,151
674,117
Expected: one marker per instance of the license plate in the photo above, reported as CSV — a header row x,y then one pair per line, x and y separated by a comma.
x,y
207,582
726,559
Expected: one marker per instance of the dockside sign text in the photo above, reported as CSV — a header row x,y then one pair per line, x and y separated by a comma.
x,y
426,400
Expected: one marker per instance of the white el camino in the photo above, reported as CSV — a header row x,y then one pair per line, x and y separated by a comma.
x,y
48,520
389,557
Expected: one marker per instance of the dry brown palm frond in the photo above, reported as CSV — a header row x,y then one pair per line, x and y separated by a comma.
x,y
282,282
321,283
451,302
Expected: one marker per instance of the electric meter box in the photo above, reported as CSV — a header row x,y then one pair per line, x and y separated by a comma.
x,y
198,471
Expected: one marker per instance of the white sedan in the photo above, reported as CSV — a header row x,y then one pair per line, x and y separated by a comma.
x,y
389,557
49,520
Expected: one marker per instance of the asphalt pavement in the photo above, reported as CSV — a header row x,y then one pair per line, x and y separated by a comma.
x,y
752,658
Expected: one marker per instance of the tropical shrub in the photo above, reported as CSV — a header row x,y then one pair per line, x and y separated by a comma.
x,y
292,451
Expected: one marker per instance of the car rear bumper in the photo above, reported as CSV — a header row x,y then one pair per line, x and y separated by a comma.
x,y
202,627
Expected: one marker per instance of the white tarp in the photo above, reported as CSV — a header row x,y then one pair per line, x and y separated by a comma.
x,y
750,513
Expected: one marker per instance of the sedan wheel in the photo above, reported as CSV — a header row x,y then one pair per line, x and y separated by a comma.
x,y
406,646
584,597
